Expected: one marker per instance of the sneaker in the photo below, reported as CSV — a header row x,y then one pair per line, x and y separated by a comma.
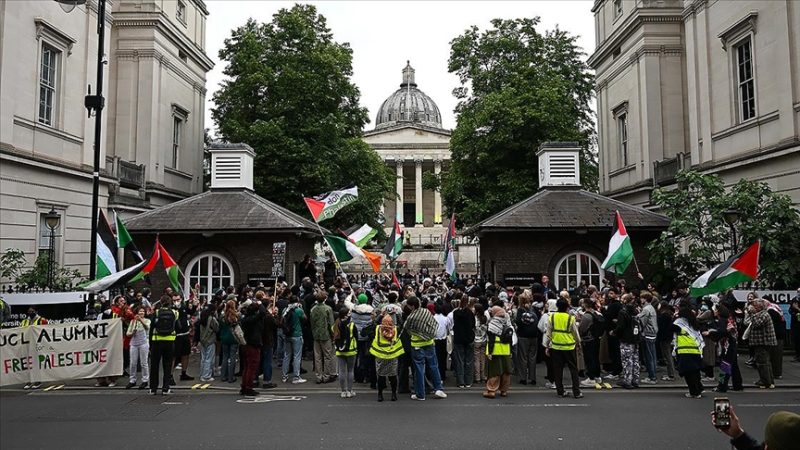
x,y
578,395
185,377
414,397
667,378
298,381
587,383
549,385
206,380
166,391
688,395
771,386
612,377
179,366
285,378
37,385
351,394
96,384
130,385
27,386
112,384
649,381
468,386
153,392
440,394
624,384
143,385
707,379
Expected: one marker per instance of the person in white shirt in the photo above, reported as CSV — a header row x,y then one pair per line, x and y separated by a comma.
x,y
138,330
445,326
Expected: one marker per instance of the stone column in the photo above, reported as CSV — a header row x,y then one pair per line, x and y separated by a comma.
x,y
437,196
418,186
399,208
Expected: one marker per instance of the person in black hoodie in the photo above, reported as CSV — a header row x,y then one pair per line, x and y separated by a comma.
x,y
253,325
664,338
463,343
528,339
628,332
610,314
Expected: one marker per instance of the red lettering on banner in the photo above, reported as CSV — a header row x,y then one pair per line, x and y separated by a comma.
x,y
103,355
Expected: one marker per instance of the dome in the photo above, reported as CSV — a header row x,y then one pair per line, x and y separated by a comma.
x,y
408,105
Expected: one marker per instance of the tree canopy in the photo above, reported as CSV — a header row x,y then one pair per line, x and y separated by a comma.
x,y
698,237
288,94
519,88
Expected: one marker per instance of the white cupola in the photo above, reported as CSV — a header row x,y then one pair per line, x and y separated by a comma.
x,y
231,165
559,164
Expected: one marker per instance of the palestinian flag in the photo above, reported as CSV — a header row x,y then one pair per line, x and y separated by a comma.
x,y
345,250
739,268
450,248
394,245
395,281
620,251
173,271
151,264
124,239
360,235
325,206
122,277
106,260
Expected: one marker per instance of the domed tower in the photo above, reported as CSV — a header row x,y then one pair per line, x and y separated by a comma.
x,y
408,105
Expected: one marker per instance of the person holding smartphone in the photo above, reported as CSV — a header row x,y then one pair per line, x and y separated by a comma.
x,y
782,431
138,331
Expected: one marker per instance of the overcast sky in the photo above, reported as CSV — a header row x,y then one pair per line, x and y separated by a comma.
x,y
384,34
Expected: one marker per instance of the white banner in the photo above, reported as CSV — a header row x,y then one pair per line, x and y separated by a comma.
x,y
61,352
45,298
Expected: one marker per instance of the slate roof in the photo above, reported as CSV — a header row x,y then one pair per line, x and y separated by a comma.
x,y
554,208
230,210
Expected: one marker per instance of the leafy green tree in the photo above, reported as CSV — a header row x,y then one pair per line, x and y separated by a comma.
x,y
519,88
288,94
698,237
13,262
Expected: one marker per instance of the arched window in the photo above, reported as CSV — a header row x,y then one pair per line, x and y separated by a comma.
x,y
212,271
576,267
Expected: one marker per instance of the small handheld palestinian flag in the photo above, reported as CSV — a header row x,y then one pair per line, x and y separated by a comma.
x,y
123,277
740,268
325,206
360,235
394,245
173,271
345,250
449,249
620,251
106,260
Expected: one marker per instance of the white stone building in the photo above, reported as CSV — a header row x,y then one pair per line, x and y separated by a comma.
x,y
409,137
152,134
704,84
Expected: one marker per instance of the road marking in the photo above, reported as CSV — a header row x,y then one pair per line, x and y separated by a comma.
x,y
48,388
196,386
271,398
58,387
767,405
486,405
205,386
173,403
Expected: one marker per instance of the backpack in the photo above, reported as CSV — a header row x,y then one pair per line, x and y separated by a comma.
x,y
598,326
165,322
287,321
508,335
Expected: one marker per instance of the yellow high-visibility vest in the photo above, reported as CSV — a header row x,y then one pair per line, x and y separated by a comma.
x,y
383,349
351,348
27,322
157,337
562,337
686,345
418,342
500,349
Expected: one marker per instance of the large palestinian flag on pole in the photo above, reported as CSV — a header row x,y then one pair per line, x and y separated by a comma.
x,y
106,248
345,250
122,277
740,268
449,249
620,251
325,206
174,273
124,239
394,245
360,235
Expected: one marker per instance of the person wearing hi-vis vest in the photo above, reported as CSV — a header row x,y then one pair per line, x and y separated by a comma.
x,y
688,345
422,328
498,353
162,339
561,337
345,342
33,319
386,348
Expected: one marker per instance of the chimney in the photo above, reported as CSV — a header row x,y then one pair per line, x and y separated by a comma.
x,y
559,164
231,166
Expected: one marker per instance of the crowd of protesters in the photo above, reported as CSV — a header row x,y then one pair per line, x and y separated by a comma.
x,y
408,332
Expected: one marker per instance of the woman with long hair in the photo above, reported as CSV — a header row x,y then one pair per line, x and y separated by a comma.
x,y
726,348
230,346
345,341
689,350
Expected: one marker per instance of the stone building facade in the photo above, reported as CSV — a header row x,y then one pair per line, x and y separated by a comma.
x,y
703,84
152,136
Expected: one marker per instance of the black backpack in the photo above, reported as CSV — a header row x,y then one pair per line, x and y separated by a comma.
x,y
165,322
507,337
287,321
598,326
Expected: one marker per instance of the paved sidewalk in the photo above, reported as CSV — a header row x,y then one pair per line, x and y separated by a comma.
x,y
790,379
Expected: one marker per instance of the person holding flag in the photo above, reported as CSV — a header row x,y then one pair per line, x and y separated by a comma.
x,y
620,251
450,248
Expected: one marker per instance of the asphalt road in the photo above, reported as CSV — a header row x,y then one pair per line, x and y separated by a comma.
x,y
191,419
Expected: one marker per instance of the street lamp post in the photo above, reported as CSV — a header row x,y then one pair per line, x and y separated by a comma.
x,y
94,104
731,217
51,220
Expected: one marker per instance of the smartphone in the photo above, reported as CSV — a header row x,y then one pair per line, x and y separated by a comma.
x,y
722,412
